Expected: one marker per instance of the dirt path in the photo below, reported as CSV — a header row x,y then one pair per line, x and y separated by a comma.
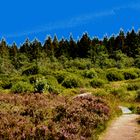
x,y
123,128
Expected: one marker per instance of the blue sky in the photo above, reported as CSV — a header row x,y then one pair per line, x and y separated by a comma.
x,y
21,19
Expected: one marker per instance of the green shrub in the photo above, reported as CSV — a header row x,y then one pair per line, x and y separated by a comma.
x,y
101,93
60,76
114,75
41,85
90,73
33,78
138,95
123,94
72,81
137,71
31,71
101,73
133,86
78,63
118,92
135,108
22,87
48,83
39,82
97,83
16,78
6,84
130,74
137,62
53,85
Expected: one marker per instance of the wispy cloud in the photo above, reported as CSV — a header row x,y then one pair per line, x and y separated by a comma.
x,y
75,21
134,6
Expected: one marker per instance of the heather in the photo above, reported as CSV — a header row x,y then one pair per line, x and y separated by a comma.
x,y
36,116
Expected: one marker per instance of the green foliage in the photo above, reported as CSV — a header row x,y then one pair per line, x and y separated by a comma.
x,y
72,81
90,73
120,93
45,84
32,70
114,75
60,76
78,63
137,62
133,86
97,83
136,70
41,85
6,84
103,61
6,67
122,60
135,108
72,63
130,74
138,97
101,73
53,85
22,87
34,78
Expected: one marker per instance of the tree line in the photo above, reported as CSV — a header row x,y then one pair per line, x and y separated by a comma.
x,y
127,44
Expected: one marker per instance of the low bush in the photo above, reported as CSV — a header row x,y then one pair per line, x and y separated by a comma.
x,y
133,86
137,71
90,73
6,84
135,108
97,83
38,116
41,85
34,78
114,75
60,76
119,92
22,87
138,95
130,74
53,85
72,81
101,93
100,73
32,70
81,64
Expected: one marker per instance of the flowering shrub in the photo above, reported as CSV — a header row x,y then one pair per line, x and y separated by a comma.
x,y
51,117
40,85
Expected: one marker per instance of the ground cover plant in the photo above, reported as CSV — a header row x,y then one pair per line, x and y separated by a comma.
x,y
36,116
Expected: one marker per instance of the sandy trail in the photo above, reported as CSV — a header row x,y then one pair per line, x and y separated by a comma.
x,y
123,128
